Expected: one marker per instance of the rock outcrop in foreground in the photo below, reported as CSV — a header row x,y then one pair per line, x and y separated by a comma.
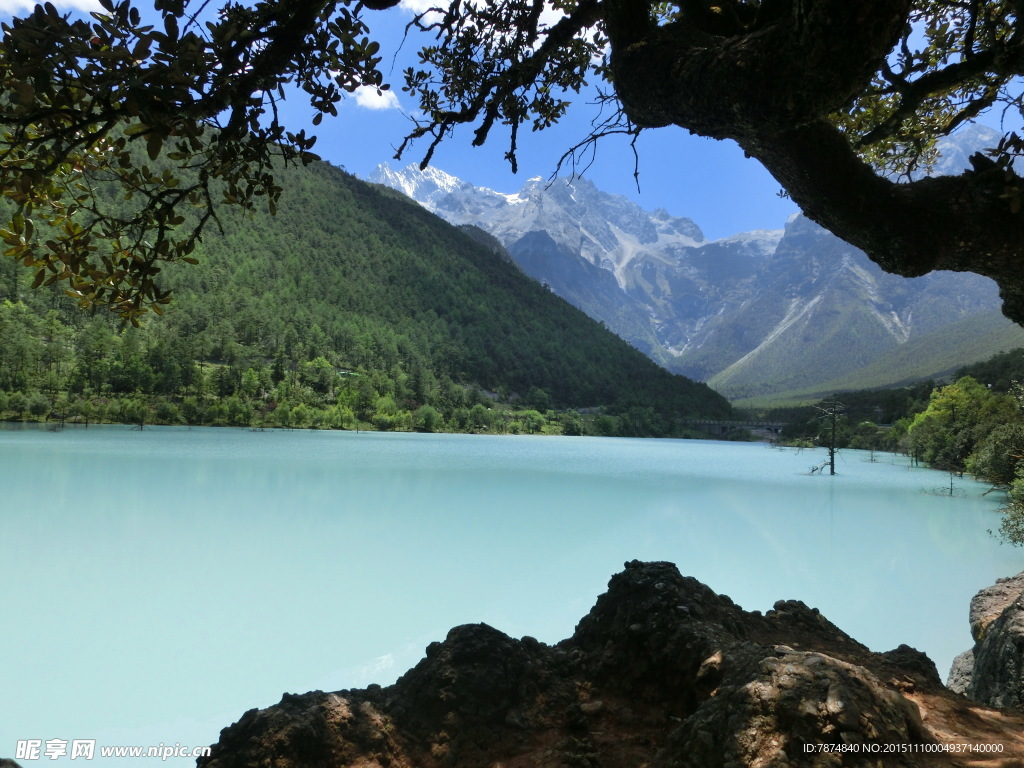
x,y
992,672
662,673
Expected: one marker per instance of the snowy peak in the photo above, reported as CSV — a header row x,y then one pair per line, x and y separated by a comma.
x,y
606,228
456,201
417,184
754,314
955,150
756,244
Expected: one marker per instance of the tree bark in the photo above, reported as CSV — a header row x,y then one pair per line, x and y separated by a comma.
x,y
967,223
772,90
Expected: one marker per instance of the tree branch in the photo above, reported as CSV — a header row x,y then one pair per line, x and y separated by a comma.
x,y
992,67
810,62
772,90
967,223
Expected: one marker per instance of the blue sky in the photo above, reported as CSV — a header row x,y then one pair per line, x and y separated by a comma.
x,y
708,181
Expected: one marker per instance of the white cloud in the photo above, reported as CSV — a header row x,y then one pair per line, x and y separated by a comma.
x,y
548,15
16,7
368,98
419,6
426,8
377,667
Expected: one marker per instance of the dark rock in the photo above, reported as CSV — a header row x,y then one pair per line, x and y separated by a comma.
x,y
992,673
912,661
998,676
770,710
662,672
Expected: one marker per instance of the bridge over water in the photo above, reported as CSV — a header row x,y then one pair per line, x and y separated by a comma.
x,y
765,429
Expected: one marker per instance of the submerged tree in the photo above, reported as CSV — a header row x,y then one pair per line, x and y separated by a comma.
x,y
837,99
830,415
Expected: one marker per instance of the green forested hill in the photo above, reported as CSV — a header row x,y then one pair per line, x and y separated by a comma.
x,y
352,305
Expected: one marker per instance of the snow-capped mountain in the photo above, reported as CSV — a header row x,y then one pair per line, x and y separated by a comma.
x,y
955,152
754,314
607,230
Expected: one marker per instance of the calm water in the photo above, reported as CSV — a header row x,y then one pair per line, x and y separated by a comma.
x,y
154,585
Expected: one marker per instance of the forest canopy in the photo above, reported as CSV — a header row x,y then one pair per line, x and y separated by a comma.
x,y
840,101
353,308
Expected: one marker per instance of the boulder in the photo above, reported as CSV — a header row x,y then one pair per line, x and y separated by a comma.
x,y
662,672
960,672
998,675
989,603
992,673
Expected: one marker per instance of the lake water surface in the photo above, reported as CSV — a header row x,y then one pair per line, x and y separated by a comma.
x,y
156,584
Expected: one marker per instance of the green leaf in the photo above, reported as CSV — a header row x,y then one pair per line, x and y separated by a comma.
x,y
153,145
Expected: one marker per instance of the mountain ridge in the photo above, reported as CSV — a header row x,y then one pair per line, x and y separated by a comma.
x,y
352,300
767,307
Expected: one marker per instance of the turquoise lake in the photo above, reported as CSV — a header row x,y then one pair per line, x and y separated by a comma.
x,y
156,584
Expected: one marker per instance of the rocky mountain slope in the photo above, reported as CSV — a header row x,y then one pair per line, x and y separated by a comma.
x,y
583,244
820,310
757,314
662,672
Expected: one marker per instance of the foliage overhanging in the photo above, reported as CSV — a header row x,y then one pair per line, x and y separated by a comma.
x,y
835,98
